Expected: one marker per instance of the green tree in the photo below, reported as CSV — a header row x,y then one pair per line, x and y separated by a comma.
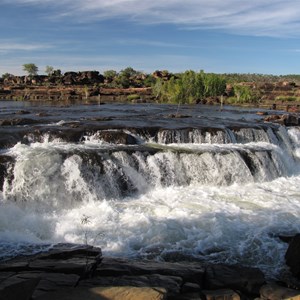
x,y
126,77
6,75
246,94
49,70
214,85
110,75
31,69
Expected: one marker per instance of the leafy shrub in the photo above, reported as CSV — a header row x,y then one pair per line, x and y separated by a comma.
x,y
133,97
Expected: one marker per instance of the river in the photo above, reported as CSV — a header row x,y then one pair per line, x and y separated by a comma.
x,y
211,186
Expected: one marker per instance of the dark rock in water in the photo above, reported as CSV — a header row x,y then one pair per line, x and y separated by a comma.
x,y
117,137
246,280
5,162
292,256
23,112
178,116
43,114
286,238
13,122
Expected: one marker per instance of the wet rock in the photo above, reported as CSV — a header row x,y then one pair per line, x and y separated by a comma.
x,y
291,120
246,280
286,238
43,114
23,112
5,162
14,122
178,116
292,256
116,137
223,294
276,292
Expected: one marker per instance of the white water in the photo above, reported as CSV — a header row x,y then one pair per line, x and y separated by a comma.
x,y
203,203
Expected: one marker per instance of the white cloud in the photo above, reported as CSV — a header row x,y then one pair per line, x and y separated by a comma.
x,y
9,46
256,17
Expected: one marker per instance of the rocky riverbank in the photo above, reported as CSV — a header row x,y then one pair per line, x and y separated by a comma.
x,y
81,272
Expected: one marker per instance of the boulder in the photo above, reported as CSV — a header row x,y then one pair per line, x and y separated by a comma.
x,y
292,256
117,137
244,279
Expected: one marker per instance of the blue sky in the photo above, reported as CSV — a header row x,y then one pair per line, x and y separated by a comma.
x,y
257,36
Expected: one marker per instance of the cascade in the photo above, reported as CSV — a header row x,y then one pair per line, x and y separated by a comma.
x,y
81,171
215,194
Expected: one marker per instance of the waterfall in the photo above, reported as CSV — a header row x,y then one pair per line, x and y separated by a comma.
x,y
86,172
213,194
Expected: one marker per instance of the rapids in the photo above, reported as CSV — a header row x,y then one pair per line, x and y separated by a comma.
x,y
221,195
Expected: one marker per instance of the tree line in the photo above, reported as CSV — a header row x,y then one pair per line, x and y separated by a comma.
x,y
185,87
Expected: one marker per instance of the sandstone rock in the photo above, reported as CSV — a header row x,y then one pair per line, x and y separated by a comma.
x,y
272,118
292,256
223,294
286,119
105,293
276,292
246,280
171,283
